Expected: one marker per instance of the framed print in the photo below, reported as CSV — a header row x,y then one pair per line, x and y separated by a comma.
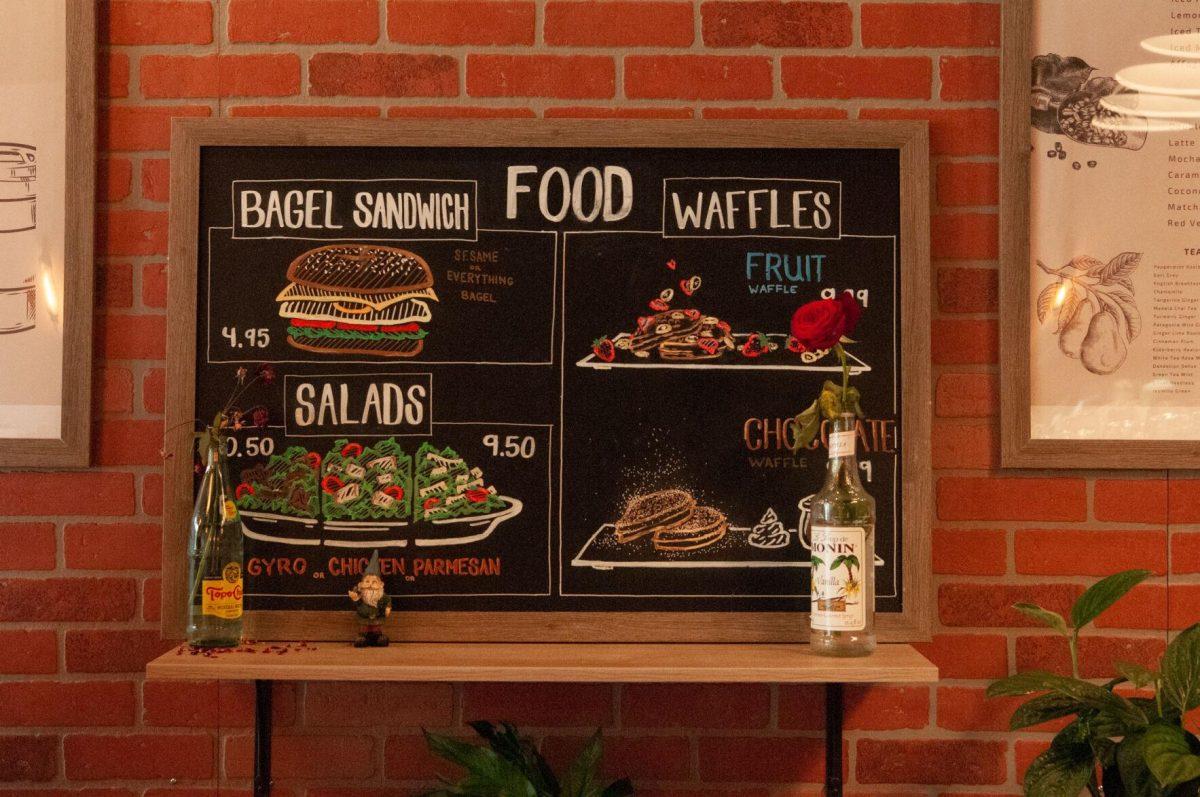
x,y
47,164
434,323
1100,249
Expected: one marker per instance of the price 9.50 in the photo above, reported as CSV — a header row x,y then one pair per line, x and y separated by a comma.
x,y
253,338
511,445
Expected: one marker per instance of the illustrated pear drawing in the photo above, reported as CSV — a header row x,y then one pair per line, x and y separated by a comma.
x,y
1093,310
1070,340
1103,349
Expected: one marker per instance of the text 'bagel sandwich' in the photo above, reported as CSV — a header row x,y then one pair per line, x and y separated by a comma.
x,y
357,299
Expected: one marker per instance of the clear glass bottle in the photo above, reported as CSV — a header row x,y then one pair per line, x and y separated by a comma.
x,y
215,559
842,620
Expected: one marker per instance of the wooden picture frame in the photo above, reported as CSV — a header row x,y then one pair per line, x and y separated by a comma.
x,y
71,448
190,138
1019,447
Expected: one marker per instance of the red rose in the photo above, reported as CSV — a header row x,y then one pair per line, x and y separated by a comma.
x,y
821,324
853,312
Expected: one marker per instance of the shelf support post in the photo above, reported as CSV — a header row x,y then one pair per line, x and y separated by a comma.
x,y
833,740
262,738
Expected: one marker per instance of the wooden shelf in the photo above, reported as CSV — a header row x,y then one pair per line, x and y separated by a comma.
x,y
571,663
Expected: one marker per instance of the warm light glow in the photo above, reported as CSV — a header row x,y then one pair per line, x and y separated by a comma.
x,y
49,293
1061,296
1177,45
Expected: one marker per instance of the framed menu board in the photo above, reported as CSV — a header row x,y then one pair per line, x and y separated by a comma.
x,y
502,351
1101,163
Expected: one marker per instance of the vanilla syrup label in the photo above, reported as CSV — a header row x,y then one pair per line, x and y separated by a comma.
x,y
838,602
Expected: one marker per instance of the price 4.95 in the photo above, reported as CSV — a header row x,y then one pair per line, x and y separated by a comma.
x,y
254,338
511,445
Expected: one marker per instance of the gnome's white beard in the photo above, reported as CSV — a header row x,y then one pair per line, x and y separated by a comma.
x,y
371,595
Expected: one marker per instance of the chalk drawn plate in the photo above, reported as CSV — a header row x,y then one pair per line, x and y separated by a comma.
x,y
779,360
268,527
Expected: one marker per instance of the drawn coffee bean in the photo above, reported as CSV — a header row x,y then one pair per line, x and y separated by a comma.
x,y
1092,164
1103,349
1076,166
1070,340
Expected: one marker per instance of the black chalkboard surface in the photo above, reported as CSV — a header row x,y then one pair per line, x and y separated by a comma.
x,y
487,341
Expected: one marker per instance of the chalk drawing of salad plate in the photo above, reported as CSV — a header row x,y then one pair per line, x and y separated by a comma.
x,y
463,530
286,529
778,360
267,527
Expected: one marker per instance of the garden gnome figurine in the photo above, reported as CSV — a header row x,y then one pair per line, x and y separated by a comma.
x,y
372,606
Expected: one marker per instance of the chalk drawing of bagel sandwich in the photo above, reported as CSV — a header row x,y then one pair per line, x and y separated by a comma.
x,y
358,299
370,495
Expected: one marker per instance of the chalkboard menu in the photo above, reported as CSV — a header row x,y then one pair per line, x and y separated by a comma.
x,y
505,356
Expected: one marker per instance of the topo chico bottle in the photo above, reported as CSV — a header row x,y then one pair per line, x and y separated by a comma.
x,y
215,559
842,618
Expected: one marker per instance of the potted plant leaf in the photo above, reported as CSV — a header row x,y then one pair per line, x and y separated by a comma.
x,y
511,766
1129,743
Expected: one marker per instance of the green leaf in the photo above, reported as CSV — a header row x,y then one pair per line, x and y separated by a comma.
x,y
808,423
816,561
582,773
1023,683
1131,763
837,563
466,755
1044,616
1044,708
1103,594
1168,755
1088,694
1136,674
1181,670
830,403
1061,771
852,402
488,775
521,753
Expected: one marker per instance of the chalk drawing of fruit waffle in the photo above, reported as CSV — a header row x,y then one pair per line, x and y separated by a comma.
x,y
677,334
1092,308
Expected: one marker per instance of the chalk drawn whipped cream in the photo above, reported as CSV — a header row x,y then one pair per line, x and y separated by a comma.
x,y
769,532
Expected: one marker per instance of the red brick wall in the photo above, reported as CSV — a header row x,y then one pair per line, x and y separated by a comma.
x,y
79,553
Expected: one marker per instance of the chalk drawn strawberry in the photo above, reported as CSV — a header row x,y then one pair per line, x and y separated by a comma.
x,y
1093,309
